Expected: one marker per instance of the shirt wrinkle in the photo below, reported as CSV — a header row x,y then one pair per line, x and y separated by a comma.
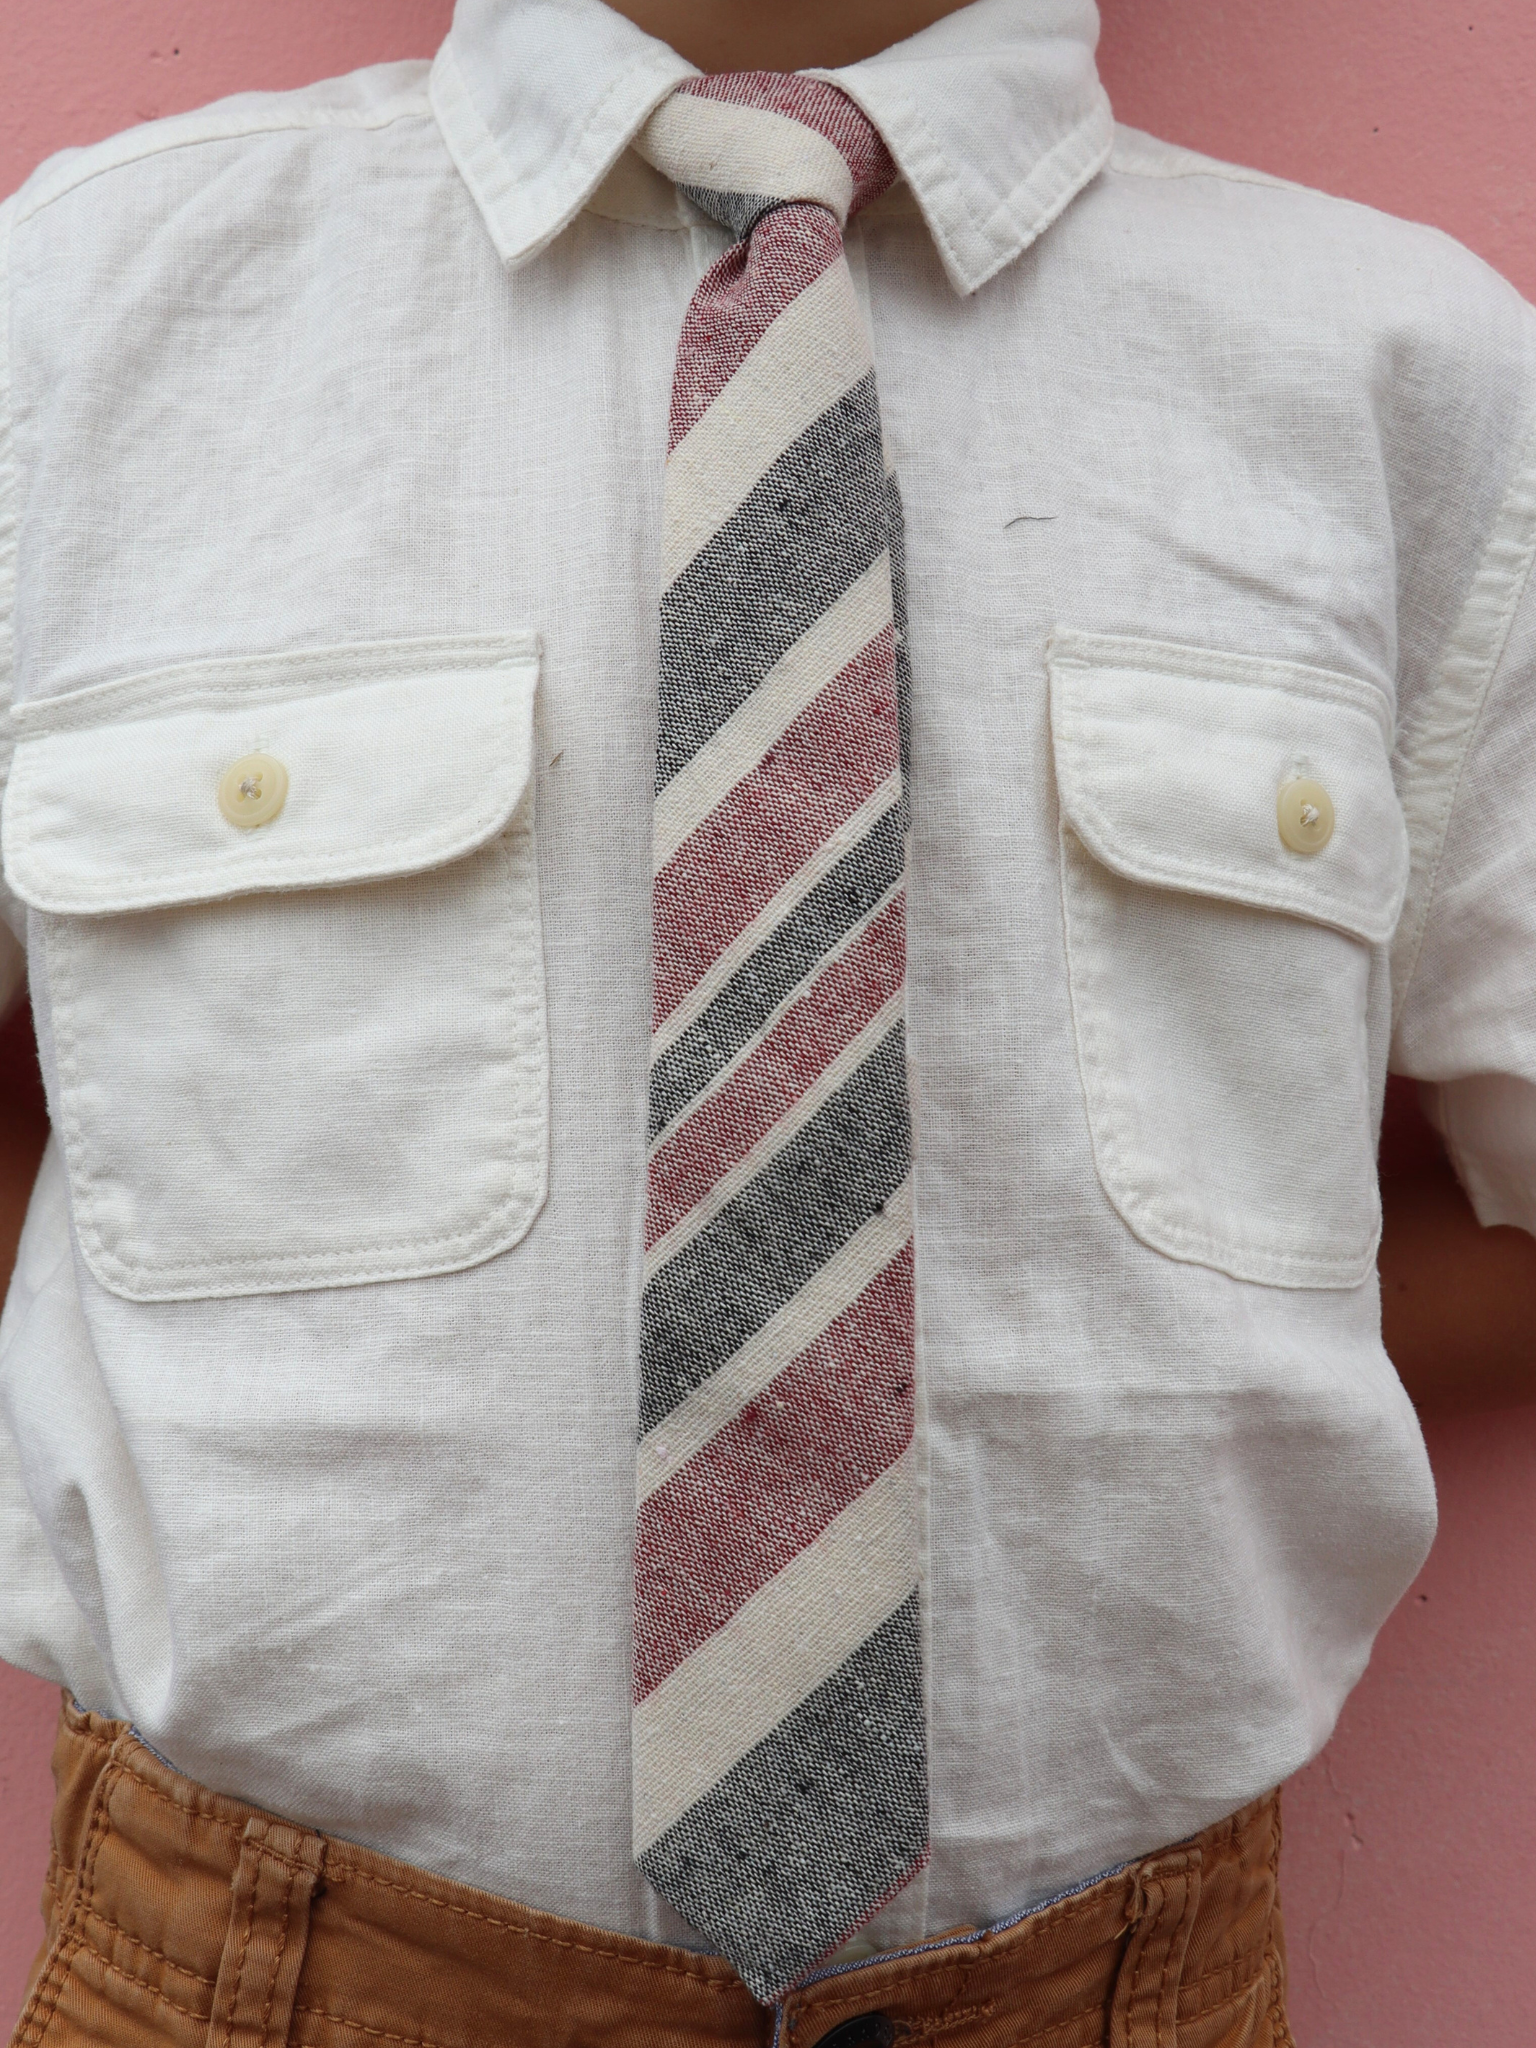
x,y
358,1548
269,114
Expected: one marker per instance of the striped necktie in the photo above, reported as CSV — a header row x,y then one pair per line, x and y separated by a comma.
x,y
780,1773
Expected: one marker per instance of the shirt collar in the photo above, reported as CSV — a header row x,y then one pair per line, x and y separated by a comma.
x,y
995,116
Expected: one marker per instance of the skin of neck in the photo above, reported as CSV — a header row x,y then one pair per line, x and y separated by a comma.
x,y
782,35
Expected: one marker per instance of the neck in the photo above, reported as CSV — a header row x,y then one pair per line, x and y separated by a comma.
x,y
790,35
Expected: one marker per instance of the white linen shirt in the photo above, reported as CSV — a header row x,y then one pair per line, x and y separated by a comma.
x,y
333,428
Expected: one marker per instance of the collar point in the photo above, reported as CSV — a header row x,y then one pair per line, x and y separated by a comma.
x,y
973,251
525,204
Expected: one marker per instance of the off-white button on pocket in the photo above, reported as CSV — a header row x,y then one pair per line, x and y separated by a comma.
x,y
1305,811
253,790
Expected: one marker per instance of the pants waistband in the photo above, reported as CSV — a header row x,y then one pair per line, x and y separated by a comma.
x,y
178,1918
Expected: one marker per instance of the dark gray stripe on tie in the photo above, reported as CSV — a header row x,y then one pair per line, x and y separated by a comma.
x,y
825,1184
738,211
816,1825
806,530
842,899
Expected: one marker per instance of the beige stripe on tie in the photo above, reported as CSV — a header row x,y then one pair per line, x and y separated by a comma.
x,y
817,349
727,145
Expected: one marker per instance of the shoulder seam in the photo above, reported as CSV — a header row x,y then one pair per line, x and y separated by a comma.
x,y
1227,174
1434,744
1193,165
188,131
1189,163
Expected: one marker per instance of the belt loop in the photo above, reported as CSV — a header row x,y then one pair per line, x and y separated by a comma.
x,y
274,1883
1144,2012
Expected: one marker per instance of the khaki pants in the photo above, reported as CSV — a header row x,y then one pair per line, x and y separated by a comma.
x,y
176,1916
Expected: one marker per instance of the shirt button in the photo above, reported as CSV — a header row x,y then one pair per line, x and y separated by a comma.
x,y
253,790
1305,811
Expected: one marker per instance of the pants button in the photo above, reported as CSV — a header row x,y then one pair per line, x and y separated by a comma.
x,y
866,2030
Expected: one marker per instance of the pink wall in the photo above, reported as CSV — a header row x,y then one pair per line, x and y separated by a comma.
x,y
1411,1851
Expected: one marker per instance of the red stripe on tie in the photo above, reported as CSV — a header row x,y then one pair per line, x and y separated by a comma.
x,y
827,763
771,1080
739,299
768,1484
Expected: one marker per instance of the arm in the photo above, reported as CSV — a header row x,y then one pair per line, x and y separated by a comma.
x,y
23,1111
1458,1302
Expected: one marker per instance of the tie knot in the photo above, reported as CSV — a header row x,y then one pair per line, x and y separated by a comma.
x,y
740,143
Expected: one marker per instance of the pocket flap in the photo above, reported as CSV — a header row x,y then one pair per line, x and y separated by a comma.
x,y
400,756
1170,761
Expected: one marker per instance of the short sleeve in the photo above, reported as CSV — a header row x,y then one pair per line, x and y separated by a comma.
x,y
13,927
1465,963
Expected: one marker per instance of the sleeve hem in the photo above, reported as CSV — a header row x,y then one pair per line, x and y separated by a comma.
x,y
1488,1122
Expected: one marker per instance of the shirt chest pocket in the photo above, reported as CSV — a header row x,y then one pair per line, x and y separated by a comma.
x,y
1233,864
308,1051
